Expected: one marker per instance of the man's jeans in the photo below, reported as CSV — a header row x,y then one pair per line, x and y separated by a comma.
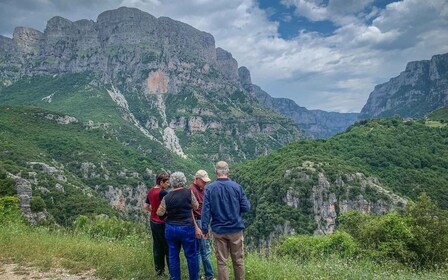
x,y
205,251
185,237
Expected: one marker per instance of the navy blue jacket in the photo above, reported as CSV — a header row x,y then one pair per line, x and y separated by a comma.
x,y
224,201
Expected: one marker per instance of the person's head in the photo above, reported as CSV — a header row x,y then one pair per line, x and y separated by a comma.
x,y
163,180
201,178
178,179
222,169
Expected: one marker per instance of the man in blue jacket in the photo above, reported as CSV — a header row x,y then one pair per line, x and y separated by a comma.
x,y
224,202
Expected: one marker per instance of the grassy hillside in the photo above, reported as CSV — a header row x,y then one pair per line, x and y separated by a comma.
x,y
91,160
440,115
210,125
408,158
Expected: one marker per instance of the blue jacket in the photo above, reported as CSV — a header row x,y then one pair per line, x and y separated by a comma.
x,y
224,201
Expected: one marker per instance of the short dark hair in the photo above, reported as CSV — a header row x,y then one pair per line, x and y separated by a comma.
x,y
162,177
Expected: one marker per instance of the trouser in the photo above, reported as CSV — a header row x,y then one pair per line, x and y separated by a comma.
x,y
232,243
159,247
205,251
185,237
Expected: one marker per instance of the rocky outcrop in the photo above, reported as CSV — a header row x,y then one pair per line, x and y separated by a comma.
x,y
419,90
25,193
226,64
315,123
126,198
309,186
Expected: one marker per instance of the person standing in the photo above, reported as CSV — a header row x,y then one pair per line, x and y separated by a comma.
x,y
180,230
153,199
198,188
224,202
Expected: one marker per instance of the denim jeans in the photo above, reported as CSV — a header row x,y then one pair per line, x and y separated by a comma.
x,y
205,251
185,237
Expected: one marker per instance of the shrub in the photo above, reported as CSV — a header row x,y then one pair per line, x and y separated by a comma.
x,y
37,204
306,247
429,225
7,185
9,210
387,236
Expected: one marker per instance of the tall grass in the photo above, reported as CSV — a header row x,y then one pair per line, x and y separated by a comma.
x,y
131,258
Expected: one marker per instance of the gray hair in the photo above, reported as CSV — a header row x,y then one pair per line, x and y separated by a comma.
x,y
222,168
178,179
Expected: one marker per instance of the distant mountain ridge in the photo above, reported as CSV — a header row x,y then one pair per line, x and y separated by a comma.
x,y
315,123
417,91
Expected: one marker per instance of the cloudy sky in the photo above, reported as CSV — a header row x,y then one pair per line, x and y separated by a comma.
x,y
323,54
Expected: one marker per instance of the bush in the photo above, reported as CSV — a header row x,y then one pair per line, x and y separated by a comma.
x,y
7,185
429,225
9,210
387,236
37,204
306,247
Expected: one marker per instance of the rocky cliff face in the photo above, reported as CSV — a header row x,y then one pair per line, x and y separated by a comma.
x,y
315,123
420,89
309,185
166,78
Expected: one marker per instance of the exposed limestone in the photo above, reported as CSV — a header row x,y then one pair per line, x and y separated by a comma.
x,y
60,187
121,101
126,198
25,193
328,203
172,142
61,119
420,89
48,98
157,82
56,173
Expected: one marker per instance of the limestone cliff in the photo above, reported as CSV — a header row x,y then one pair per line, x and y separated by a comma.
x,y
166,78
417,91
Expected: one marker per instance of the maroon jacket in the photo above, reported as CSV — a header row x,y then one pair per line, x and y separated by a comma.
x,y
199,194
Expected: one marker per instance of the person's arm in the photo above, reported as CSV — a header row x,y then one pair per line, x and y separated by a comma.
x,y
196,227
194,201
205,215
162,208
244,202
147,205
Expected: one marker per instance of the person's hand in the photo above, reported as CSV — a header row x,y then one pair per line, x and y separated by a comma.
x,y
198,232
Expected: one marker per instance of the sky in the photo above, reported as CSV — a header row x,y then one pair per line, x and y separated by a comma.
x,y
323,54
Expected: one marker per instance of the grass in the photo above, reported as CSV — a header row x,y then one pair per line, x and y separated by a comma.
x,y
431,123
131,258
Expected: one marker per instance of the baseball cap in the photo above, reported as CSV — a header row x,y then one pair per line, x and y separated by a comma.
x,y
203,175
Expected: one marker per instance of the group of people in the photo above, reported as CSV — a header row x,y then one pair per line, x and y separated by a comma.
x,y
182,217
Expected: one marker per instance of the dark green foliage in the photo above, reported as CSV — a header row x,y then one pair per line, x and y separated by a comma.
x,y
407,158
37,204
429,226
7,185
418,238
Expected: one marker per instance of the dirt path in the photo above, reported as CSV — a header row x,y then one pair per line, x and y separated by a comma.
x,y
19,272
